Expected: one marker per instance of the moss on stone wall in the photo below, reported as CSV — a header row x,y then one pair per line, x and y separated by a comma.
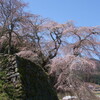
x,y
21,79
35,82
8,89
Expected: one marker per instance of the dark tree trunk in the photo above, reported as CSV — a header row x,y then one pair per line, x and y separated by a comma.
x,y
9,43
35,81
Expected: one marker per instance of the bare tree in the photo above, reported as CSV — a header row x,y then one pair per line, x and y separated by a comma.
x,y
78,45
67,73
47,38
11,16
82,41
44,36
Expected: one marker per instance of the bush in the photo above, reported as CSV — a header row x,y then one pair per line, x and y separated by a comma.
x,y
4,48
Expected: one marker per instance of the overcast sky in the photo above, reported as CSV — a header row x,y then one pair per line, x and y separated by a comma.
x,y
82,12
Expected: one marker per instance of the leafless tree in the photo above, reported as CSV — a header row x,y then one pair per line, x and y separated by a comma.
x,y
11,16
78,46
47,38
44,36
68,72
82,41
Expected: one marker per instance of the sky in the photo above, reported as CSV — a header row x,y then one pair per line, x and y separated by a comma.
x,y
81,12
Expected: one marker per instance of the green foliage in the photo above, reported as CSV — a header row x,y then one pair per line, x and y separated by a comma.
x,y
95,79
4,48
